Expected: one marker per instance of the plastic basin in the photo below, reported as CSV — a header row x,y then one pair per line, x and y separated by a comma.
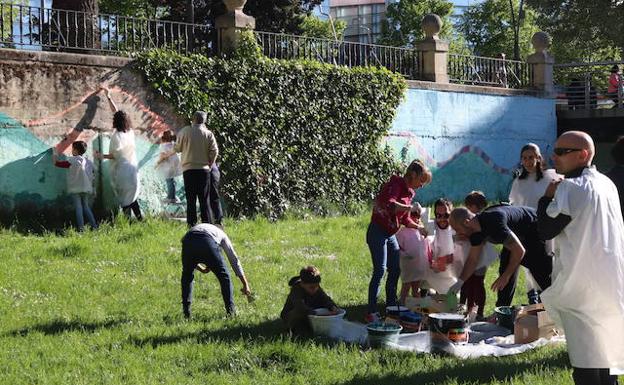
x,y
381,334
324,324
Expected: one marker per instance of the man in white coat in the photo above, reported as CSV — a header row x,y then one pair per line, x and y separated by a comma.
x,y
582,213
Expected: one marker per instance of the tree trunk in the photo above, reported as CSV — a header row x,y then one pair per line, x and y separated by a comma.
x,y
76,24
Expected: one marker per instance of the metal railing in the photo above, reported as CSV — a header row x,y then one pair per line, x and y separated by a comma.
x,y
404,61
27,27
589,85
487,71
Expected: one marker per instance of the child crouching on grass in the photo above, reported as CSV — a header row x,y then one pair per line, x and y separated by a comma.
x,y
305,296
79,182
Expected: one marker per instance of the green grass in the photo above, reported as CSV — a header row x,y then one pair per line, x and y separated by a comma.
x,y
104,308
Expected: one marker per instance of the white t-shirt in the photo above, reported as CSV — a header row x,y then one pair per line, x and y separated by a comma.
x,y
528,191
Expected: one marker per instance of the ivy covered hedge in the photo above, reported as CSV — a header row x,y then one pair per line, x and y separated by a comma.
x,y
291,133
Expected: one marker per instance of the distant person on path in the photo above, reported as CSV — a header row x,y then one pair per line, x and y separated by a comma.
x,y
583,214
80,177
391,209
526,190
201,245
199,153
515,227
616,174
124,164
168,164
305,296
615,84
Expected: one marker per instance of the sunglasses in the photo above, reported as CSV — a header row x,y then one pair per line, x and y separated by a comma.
x,y
443,216
560,151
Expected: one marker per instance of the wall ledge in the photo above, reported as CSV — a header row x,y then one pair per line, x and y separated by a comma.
x,y
64,58
451,87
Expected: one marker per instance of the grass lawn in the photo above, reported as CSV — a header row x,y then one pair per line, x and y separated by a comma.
x,y
104,308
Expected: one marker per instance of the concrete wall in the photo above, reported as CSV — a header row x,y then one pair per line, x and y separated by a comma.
x,y
46,97
470,136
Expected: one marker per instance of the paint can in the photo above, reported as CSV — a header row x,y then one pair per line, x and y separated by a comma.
x,y
395,311
447,329
411,321
505,316
383,334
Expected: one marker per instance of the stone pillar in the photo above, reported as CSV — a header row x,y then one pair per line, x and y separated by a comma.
x,y
542,63
231,24
434,51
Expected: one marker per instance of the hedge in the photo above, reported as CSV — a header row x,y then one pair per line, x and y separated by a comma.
x,y
291,133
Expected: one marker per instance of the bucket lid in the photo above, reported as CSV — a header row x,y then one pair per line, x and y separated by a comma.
x,y
447,316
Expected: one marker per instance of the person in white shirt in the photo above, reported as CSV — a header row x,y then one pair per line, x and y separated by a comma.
x,y
201,245
582,213
79,182
526,190
168,164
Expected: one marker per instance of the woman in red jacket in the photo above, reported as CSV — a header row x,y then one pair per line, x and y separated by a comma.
x,y
391,209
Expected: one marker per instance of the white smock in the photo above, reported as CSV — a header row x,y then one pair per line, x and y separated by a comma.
x,y
124,167
442,244
170,167
80,175
414,254
527,192
586,297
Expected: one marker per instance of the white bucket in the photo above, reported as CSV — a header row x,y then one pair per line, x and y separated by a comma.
x,y
324,324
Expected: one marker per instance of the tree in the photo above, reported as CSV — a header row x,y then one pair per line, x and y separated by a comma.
x,y
583,30
489,28
312,26
402,27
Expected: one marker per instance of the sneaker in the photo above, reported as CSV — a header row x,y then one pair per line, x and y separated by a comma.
x,y
372,317
187,312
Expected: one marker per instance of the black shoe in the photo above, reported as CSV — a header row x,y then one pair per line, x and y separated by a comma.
x,y
187,312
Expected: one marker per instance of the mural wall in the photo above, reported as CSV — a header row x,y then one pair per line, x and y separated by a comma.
x,y
471,141
50,99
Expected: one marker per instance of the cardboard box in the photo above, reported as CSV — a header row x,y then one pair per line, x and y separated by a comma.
x,y
532,323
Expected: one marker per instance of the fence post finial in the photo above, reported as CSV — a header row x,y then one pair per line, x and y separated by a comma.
x,y
542,63
230,24
434,51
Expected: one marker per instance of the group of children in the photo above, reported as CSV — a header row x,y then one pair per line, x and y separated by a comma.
x,y
81,174
417,260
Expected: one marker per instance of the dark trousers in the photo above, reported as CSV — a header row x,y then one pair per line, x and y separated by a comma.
x,y
473,293
197,248
592,376
215,198
536,259
197,186
134,206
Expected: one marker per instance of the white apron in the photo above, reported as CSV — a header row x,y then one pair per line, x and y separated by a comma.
x,y
586,297
124,168
414,254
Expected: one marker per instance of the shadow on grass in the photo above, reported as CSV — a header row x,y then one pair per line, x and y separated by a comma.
x,y
265,331
62,326
469,371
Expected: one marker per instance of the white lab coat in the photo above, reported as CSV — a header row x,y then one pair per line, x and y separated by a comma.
x,y
124,167
586,297
527,192
441,245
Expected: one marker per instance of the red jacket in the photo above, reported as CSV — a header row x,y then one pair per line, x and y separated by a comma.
x,y
384,215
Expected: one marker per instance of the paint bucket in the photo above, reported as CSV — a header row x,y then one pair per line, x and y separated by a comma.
x,y
505,316
411,321
447,329
395,311
325,324
383,334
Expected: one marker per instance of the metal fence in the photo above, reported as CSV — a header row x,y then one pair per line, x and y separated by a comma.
x,y
486,71
405,61
29,27
589,85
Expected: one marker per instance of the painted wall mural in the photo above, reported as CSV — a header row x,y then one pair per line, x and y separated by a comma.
x,y
470,141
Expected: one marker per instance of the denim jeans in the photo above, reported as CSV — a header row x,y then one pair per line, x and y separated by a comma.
x,y
198,247
81,205
171,188
384,251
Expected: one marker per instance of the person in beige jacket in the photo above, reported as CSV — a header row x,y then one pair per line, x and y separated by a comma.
x,y
199,152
